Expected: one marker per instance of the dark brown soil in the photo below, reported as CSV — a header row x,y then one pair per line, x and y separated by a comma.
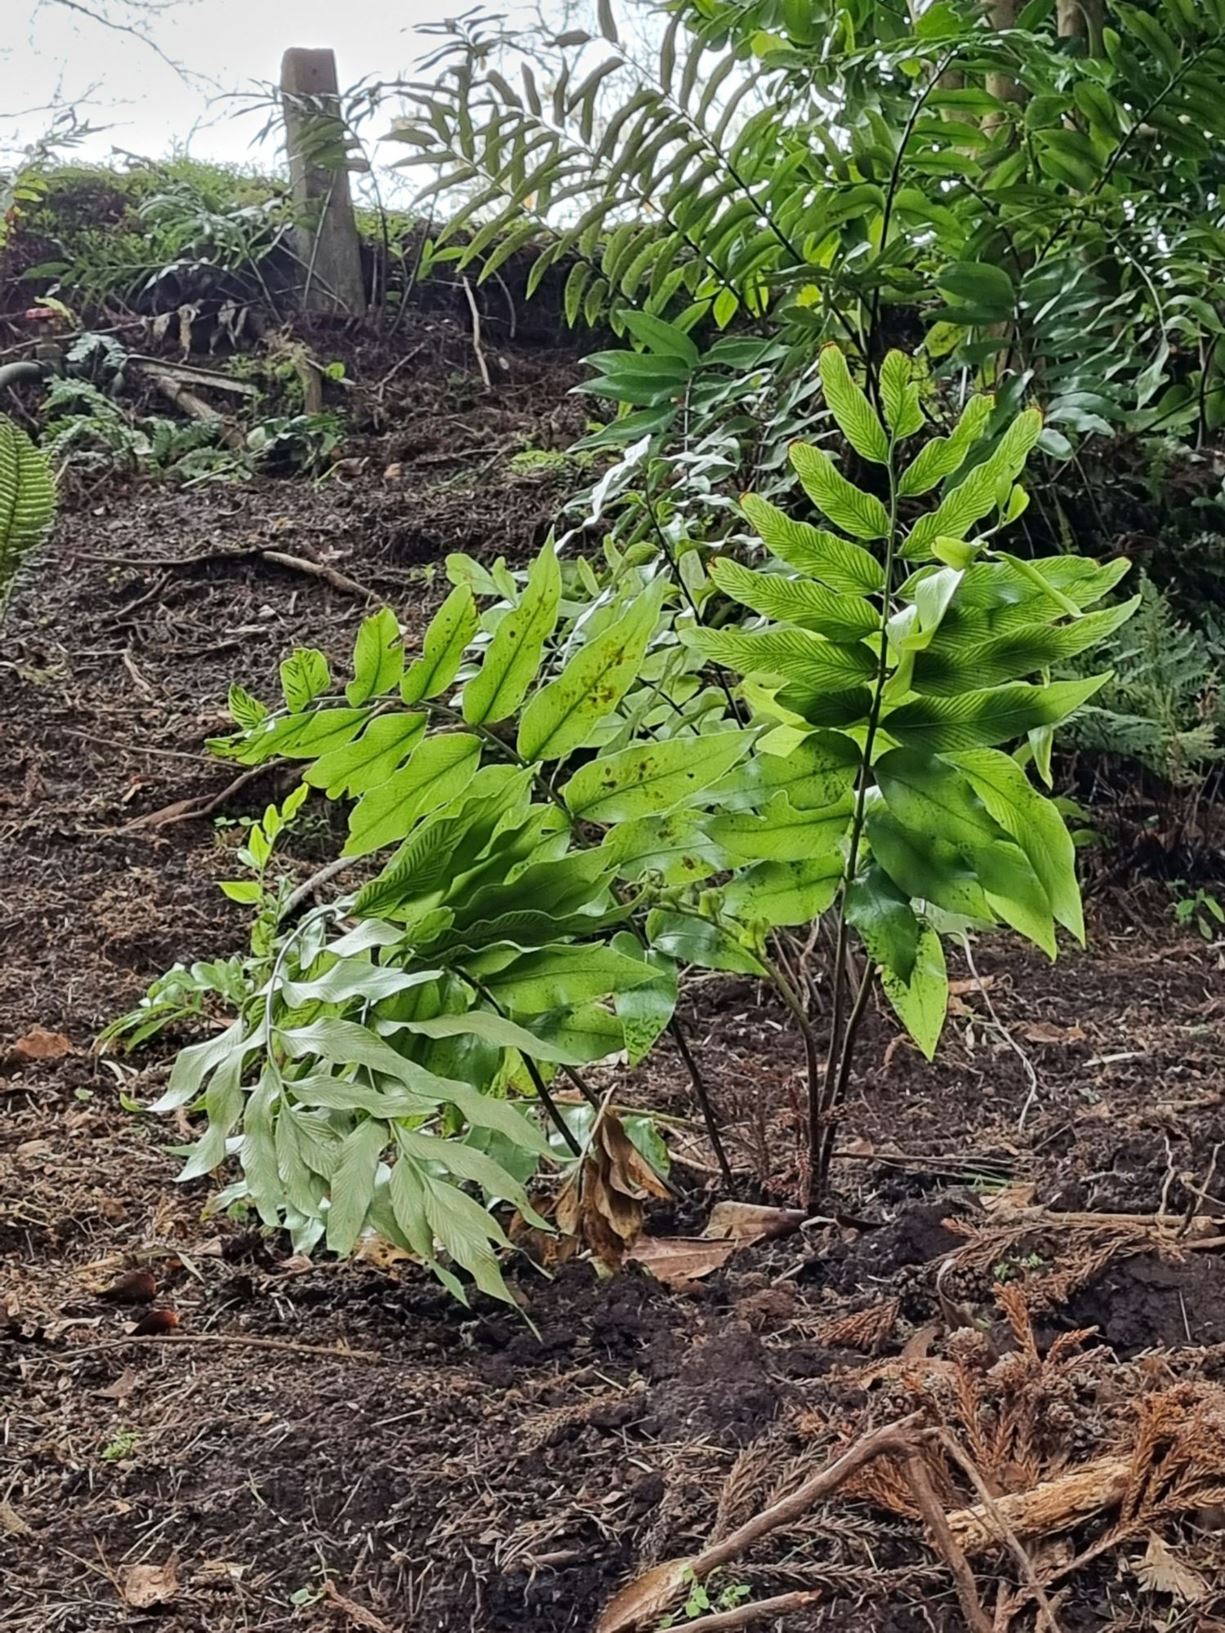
x,y
464,1470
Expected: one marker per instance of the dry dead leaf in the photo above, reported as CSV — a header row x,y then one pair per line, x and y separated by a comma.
x,y
147,1585
679,1260
918,1346
376,1250
123,1386
603,1203
1161,1571
39,1044
1010,1199
642,1602
11,1522
978,983
217,1572
1048,1032
745,1222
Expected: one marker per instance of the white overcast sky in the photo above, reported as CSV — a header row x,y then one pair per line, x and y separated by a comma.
x,y
47,53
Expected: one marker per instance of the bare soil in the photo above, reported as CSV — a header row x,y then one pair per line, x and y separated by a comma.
x,y
322,1446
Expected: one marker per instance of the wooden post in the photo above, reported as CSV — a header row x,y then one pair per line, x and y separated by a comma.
x,y
330,278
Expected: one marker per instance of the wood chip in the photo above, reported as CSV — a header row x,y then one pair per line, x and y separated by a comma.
x,y
748,1222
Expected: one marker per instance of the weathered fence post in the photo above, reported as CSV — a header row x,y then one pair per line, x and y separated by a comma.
x,y
331,275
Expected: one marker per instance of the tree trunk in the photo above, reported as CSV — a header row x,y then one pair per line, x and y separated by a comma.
x,y
1002,14
1082,20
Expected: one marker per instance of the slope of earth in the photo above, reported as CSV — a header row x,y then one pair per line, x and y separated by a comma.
x,y
322,1447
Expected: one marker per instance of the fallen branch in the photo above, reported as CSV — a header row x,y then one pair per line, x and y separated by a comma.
x,y
297,564
641,1603
1004,1530
1055,1505
198,409
191,374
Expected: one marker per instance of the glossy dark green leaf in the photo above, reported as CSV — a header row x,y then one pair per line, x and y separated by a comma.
x,y
885,920
981,719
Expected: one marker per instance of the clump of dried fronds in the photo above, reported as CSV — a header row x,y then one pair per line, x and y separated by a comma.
x,y
996,1454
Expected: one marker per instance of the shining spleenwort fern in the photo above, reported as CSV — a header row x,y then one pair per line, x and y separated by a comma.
x,y
27,500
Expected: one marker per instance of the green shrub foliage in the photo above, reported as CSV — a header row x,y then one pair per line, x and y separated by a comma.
x,y
568,810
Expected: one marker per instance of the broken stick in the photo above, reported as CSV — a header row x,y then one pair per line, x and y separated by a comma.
x,y
1055,1505
641,1603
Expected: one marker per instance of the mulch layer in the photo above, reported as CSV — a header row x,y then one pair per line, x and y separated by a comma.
x,y
318,1446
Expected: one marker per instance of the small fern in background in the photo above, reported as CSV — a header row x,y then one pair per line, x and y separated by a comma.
x,y
27,501
1163,707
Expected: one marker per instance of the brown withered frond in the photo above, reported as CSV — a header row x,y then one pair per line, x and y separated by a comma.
x,y
1015,1310
864,1330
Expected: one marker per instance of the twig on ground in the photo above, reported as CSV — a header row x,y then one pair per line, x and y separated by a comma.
x,y
282,558
284,1346
476,334
315,883
643,1601
318,569
1199,1194
355,1612
142,600
141,682
186,810
138,748
937,1523
395,368
755,1611
914,1162
1007,1535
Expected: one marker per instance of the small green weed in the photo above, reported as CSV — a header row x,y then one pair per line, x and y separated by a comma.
x,y
120,1446
1199,910
703,1600
1014,1269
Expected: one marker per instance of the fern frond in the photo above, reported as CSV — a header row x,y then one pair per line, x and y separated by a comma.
x,y
1161,707
27,498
